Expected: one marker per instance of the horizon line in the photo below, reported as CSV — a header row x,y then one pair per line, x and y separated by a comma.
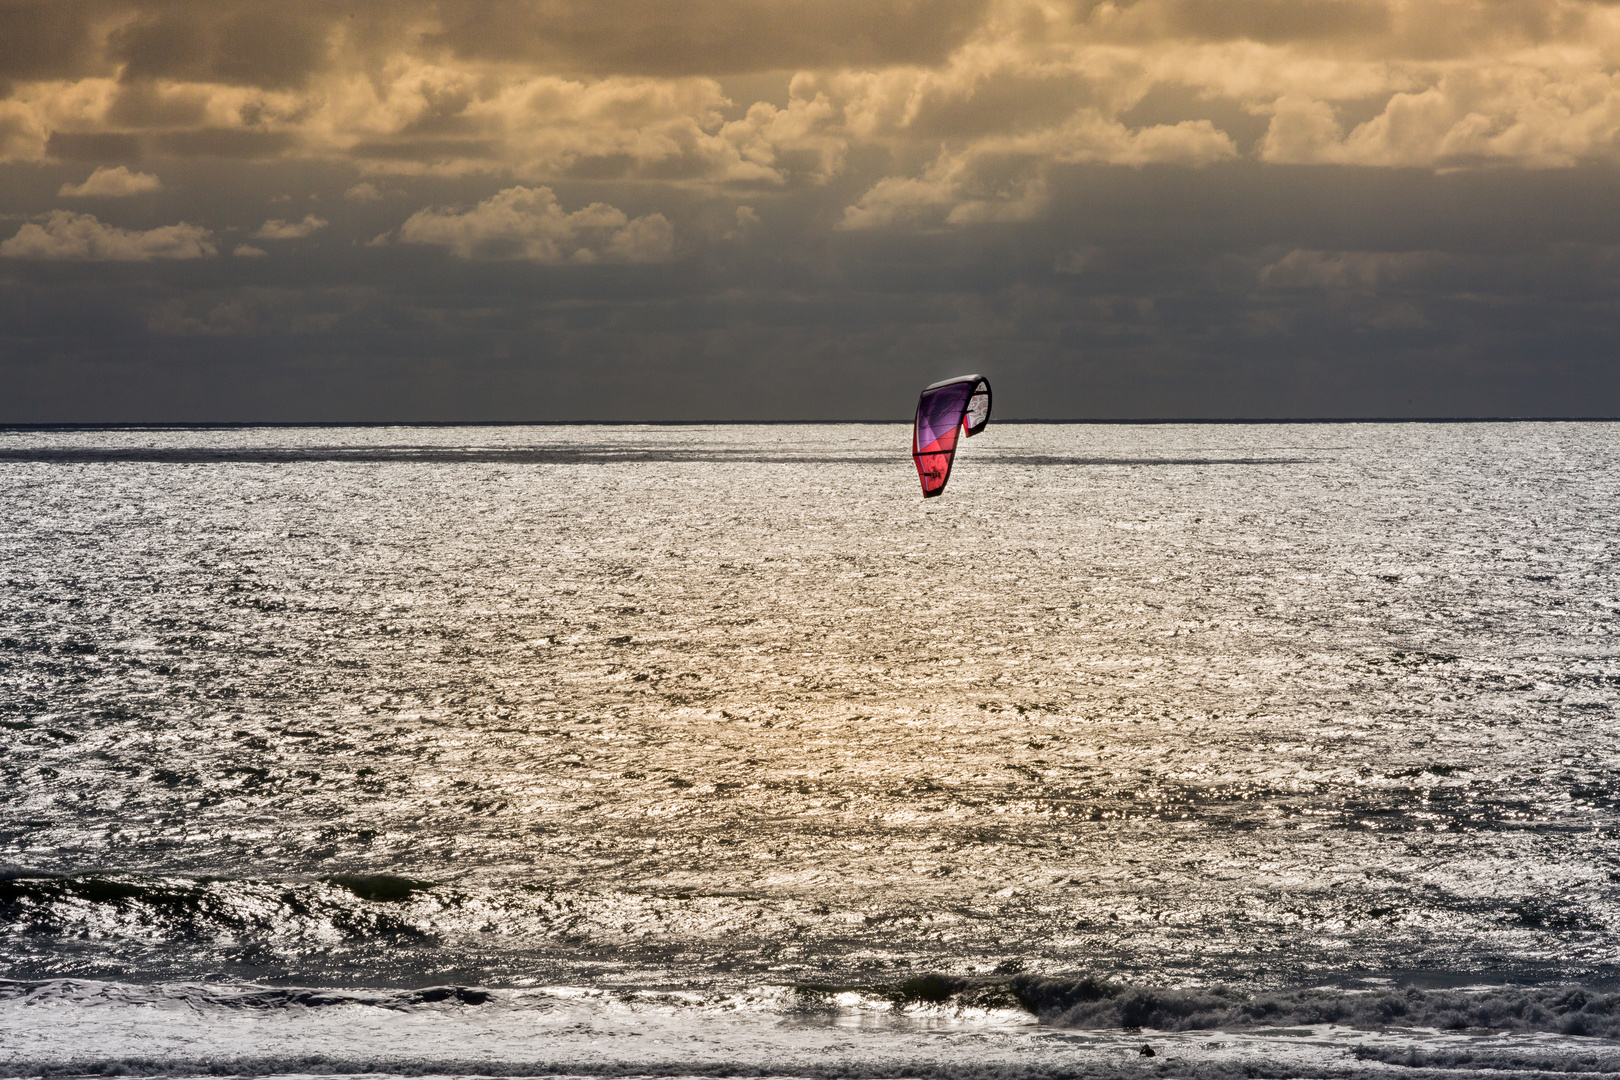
x,y
148,425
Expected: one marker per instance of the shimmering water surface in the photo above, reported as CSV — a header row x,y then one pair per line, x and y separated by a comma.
x,y
721,709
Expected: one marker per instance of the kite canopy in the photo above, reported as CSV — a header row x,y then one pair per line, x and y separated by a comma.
x,y
962,403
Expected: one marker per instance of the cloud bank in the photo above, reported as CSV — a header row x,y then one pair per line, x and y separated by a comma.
x,y
959,92
528,223
66,235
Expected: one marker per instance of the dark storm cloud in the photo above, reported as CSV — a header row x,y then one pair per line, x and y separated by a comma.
x,y
223,142
198,142
246,42
1005,101
48,39
254,45
1387,30
93,146
1240,290
1278,20
428,151
704,37
229,41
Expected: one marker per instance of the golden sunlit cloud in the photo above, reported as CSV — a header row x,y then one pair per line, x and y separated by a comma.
x,y
115,183
972,99
528,223
276,229
66,235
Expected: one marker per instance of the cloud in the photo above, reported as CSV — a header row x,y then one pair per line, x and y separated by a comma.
x,y
248,251
66,235
1502,115
234,43
112,183
221,320
956,189
251,311
1353,270
1079,261
48,39
679,37
528,223
965,106
1004,179
276,229
1302,131
772,145
747,219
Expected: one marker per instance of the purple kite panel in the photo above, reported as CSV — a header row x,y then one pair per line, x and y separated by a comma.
x,y
944,411
939,413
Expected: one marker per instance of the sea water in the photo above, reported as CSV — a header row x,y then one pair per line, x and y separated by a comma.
x,y
716,750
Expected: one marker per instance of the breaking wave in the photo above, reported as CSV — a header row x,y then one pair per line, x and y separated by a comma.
x,y
929,1026
1090,1002
1083,1002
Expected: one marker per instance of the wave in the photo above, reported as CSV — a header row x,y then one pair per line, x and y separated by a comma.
x,y
1077,1027
1080,1003
352,929
1255,1068
1091,1002
65,905
326,1065
227,996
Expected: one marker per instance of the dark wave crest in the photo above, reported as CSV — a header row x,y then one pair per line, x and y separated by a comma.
x,y
1096,1003
944,1026
230,996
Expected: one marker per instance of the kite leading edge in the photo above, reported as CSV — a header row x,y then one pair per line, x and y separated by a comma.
x,y
959,404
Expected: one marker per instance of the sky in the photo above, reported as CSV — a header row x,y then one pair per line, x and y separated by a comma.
x,y
227,210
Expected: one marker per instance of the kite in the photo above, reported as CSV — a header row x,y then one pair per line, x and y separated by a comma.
x,y
962,402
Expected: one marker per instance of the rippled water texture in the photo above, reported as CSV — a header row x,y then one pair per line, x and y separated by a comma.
x,y
729,706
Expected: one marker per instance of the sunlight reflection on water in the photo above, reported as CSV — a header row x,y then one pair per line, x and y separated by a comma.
x,y
1266,704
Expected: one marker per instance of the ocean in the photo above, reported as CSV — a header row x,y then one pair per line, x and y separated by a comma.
x,y
1273,749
